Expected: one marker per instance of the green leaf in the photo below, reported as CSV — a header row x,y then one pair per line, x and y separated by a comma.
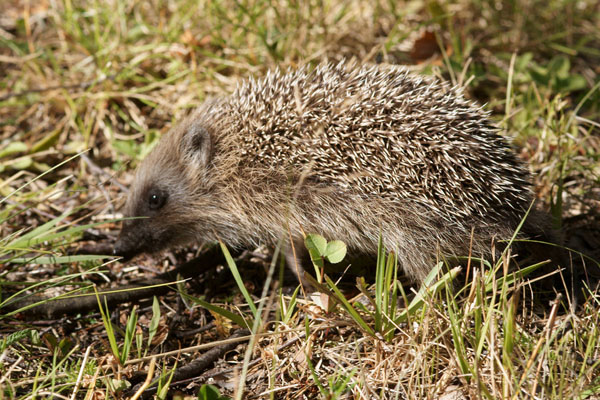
x,y
559,67
539,75
436,10
210,392
316,244
73,147
155,321
127,147
235,318
335,251
164,382
20,163
25,240
571,83
429,287
291,306
47,141
110,332
16,337
523,61
351,310
130,329
47,232
56,259
238,278
13,148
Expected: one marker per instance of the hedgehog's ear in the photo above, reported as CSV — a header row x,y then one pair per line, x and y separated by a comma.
x,y
198,145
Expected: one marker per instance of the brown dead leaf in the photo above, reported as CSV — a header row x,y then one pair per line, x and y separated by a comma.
x,y
223,325
162,332
188,38
424,47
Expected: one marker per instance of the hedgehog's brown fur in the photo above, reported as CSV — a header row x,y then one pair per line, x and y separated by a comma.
x,y
347,152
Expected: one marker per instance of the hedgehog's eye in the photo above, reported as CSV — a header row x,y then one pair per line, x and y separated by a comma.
x,y
156,199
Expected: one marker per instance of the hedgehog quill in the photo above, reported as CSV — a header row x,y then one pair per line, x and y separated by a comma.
x,y
349,152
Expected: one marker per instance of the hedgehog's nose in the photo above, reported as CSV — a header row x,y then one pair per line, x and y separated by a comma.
x,y
122,250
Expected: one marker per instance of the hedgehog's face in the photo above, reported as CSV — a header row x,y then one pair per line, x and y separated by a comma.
x,y
149,228
162,197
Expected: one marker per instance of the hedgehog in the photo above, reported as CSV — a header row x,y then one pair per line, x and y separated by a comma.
x,y
351,152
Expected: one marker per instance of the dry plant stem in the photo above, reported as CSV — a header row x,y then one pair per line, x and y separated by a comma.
x,y
147,382
196,367
81,370
127,293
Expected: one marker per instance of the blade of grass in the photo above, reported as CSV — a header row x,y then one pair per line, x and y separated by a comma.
x,y
238,278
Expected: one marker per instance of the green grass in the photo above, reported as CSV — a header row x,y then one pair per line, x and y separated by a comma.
x,y
110,77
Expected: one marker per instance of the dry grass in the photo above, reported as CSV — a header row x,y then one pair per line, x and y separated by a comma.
x,y
109,77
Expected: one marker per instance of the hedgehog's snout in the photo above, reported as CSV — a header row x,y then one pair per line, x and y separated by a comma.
x,y
126,245
122,249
